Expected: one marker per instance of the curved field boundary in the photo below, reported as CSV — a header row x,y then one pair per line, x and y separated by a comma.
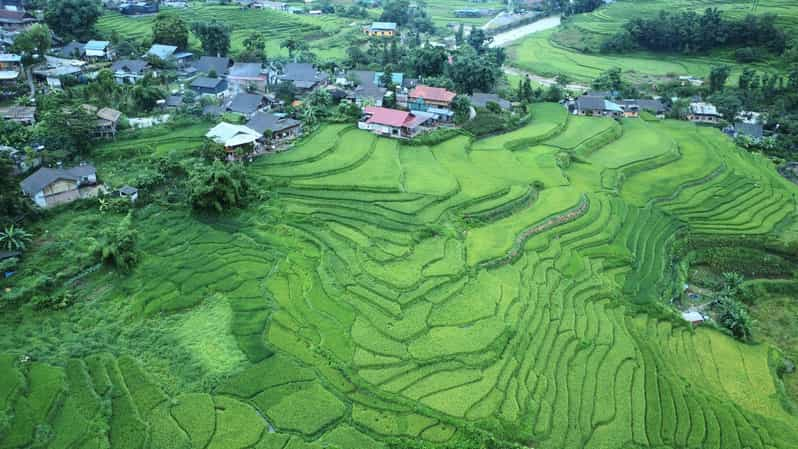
x,y
526,142
694,183
503,210
545,225
593,143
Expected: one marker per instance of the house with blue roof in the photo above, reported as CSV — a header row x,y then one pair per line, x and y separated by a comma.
x,y
98,50
592,105
381,29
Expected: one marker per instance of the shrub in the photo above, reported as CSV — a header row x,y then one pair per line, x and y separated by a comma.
x,y
486,123
733,316
217,187
117,245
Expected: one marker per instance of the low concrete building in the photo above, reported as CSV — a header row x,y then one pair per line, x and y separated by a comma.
x,y
49,187
10,68
701,112
381,29
98,51
633,108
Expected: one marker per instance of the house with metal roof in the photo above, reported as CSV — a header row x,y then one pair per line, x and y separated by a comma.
x,y
397,78
98,50
162,52
204,85
11,20
235,139
701,112
393,122
381,29
49,187
10,67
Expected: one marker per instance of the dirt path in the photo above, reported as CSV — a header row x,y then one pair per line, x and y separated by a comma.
x,y
542,79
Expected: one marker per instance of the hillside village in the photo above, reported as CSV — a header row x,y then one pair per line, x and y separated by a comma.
x,y
370,224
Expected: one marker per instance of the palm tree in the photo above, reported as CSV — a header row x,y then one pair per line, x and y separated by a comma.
x,y
14,238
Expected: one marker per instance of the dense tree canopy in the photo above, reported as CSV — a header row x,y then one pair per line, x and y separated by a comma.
x,y
215,37
32,43
217,187
168,29
72,19
689,32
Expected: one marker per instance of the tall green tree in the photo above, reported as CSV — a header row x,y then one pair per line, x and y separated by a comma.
x,y
294,45
718,77
170,29
215,37
33,43
117,245
72,19
217,187
254,48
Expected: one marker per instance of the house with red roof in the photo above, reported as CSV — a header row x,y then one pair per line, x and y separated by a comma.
x,y
393,122
433,100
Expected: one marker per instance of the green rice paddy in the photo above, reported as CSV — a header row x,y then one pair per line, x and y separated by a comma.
x,y
559,51
325,35
390,291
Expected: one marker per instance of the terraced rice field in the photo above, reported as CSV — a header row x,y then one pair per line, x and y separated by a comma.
x,y
543,55
324,34
391,291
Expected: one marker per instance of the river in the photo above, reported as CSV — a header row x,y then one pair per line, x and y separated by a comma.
x,y
510,36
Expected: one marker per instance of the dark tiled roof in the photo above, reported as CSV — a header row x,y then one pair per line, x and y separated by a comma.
x,y
263,121
651,105
220,65
174,100
303,72
203,82
245,103
136,66
43,177
590,103
481,100
71,49
246,70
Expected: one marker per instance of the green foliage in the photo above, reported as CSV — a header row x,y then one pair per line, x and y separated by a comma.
x,y
171,30
72,19
14,238
217,187
116,246
733,316
33,43
215,37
